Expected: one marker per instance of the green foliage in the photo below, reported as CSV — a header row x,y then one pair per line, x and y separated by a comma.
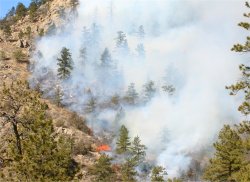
x,y
243,87
123,143
2,56
20,34
102,169
14,100
80,148
58,96
138,150
131,94
91,105
174,180
228,157
157,174
19,55
243,47
28,32
65,64
7,30
32,10
128,171
11,13
41,32
35,152
149,90
78,122
20,10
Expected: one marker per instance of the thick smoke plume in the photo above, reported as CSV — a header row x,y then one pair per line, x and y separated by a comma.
x,y
181,45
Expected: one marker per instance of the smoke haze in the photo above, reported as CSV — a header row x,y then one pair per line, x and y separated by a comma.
x,y
186,44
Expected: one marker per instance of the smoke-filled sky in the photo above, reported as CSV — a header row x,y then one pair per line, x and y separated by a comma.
x,y
187,44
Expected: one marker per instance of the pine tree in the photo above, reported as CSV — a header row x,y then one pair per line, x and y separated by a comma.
x,y
20,34
157,174
102,169
34,151
65,64
11,13
83,56
32,10
14,99
28,32
138,150
131,95
7,31
140,50
169,89
91,105
141,32
123,143
228,157
242,86
149,91
121,43
58,96
128,171
20,10
106,60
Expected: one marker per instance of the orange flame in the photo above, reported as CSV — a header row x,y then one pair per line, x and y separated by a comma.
x,y
103,148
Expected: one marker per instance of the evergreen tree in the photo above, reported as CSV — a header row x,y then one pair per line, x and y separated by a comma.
x,y
7,31
20,34
91,105
102,169
123,143
11,13
121,42
106,60
141,32
14,99
20,10
140,50
149,90
58,96
169,89
65,64
228,157
34,151
157,174
83,56
242,86
32,10
138,150
131,95
28,32
128,171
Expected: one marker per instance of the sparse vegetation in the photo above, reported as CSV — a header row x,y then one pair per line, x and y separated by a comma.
x,y
3,56
78,122
19,56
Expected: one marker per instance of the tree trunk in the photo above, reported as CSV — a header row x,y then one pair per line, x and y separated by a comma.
x,y
18,139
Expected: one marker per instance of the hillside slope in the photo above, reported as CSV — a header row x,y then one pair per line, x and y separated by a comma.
x,y
14,66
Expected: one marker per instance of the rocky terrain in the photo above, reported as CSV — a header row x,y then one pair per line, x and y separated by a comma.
x,y
12,69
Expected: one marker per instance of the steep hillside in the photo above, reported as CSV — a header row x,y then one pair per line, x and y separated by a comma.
x,y
15,57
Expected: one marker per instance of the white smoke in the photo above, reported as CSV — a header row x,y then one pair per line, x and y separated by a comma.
x,y
187,44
